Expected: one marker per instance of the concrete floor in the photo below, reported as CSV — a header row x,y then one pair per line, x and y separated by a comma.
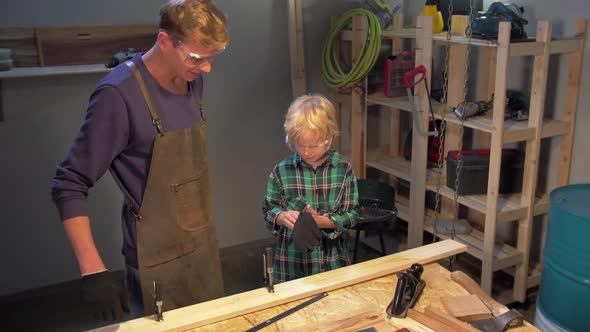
x,y
60,308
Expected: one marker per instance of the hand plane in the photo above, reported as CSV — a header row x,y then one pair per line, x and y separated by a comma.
x,y
407,291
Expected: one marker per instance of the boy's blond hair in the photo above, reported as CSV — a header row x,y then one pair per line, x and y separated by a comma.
x,y
199,19
311,112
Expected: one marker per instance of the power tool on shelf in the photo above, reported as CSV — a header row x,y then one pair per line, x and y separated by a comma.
x,y
485,25
120,57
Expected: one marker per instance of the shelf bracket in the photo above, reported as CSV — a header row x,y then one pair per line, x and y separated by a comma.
x,y
1,103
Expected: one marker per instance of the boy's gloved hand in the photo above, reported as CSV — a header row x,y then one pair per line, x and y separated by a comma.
x,y
106,294
306,233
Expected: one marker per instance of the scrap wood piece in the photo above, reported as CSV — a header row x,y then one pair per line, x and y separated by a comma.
x,y
466,307
240,304
472,287
454,323
430,322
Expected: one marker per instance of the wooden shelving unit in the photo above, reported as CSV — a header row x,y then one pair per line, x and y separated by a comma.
x,y
519,207
492,132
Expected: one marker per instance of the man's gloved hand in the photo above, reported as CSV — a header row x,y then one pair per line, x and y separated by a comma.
x,y
306,233
105,293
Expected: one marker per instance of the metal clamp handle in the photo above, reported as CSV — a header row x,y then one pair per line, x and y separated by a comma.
x,y
409,77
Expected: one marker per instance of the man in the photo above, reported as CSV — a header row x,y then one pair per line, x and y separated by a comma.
x,y
145,125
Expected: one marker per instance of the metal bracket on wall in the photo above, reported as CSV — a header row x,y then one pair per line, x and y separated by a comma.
x,y
1,104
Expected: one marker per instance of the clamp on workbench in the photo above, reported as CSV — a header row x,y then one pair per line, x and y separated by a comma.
x,y
267,260
158,301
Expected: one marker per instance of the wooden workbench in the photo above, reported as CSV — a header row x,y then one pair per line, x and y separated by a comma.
x,y
358,296
354,308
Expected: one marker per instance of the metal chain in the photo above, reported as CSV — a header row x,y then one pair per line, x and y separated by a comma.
x,y
441,134
444,101
459,167
447,56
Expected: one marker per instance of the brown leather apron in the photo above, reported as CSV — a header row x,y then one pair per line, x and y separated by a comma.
x,y
176,239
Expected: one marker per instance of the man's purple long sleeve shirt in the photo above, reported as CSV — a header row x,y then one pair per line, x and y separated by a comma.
x,y
118,134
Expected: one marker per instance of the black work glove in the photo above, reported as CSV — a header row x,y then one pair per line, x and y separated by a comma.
x,y
106,295
306,233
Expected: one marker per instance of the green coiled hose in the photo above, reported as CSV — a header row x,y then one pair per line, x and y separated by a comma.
x,y
331,71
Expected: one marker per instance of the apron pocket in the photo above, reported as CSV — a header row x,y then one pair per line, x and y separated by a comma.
x,y
168,254
191,202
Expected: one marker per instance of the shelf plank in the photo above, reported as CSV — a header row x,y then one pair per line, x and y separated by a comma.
x,y
514,131
526,48
504,255
401,103
379,98
522,48
397,166
509,205
404,33
552,128
458,39
20,72
518,48
562,46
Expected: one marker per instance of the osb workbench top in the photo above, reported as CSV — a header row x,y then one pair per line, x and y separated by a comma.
x,y
354,308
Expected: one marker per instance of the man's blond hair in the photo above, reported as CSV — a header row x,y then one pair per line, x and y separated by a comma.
x,y
199,19
311,112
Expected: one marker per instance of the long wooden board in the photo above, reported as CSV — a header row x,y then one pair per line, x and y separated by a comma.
x,y
236,305
91,45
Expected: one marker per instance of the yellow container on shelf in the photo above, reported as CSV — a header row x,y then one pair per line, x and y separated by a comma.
x,y
430,9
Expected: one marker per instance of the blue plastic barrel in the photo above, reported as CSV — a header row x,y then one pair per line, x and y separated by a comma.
x,y
564,297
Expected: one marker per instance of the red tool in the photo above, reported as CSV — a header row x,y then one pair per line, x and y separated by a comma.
x,y
410,82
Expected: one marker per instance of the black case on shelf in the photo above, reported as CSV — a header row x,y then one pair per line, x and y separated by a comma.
x,y
474,175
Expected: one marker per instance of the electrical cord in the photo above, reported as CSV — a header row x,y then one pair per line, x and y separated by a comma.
x,y
331,70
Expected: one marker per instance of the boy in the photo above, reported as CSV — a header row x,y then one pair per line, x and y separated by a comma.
x,y
312,199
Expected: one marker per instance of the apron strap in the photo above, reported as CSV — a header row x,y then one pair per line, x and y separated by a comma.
x,y
131,204
155,118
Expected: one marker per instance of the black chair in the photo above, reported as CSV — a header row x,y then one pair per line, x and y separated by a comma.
x,y
377,211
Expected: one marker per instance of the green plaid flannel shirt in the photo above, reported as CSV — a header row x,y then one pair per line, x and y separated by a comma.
x,y
331,190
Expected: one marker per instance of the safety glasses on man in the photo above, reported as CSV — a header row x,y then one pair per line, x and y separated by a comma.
x,y
193,59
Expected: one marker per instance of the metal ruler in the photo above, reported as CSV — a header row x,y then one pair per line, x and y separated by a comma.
x,y
288,312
